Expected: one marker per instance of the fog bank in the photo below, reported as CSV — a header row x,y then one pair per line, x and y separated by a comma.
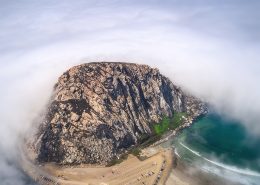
x,y
210,48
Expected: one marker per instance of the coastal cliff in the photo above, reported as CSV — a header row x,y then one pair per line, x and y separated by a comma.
x,y
99,110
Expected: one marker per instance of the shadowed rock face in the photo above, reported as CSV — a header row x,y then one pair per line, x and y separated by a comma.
x,y
99,110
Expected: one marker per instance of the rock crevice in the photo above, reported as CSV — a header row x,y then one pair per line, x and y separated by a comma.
x,y
99,110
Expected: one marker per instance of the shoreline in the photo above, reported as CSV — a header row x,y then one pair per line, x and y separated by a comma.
x,y
45,177
153,170
184,173
172,133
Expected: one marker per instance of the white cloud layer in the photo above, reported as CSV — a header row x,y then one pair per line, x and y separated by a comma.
x,y
210,48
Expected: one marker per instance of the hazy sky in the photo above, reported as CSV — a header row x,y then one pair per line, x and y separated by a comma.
x,y
209,47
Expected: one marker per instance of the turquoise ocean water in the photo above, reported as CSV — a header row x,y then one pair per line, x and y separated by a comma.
x,y
222,147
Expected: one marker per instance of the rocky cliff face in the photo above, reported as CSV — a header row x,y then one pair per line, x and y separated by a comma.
x,y
99,110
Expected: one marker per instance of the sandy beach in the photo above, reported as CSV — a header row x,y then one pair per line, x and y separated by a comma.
x,y
161,167
153,170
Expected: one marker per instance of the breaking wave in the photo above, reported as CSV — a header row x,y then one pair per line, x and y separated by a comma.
x,y
224,166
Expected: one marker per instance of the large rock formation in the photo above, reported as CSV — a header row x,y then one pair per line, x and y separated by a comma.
x,y
99,110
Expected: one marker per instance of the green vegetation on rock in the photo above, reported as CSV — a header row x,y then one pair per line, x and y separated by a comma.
x,y
136,152
169,123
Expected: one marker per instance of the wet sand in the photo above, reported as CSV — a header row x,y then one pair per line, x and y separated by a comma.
x,y
185,174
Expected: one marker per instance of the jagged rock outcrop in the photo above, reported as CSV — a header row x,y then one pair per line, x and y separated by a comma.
x,y
99,110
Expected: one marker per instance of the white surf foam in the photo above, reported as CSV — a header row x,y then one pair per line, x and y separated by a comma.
x,y
176,152
224,166
196,153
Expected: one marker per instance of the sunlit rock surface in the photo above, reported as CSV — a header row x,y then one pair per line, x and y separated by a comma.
x,y
99,110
